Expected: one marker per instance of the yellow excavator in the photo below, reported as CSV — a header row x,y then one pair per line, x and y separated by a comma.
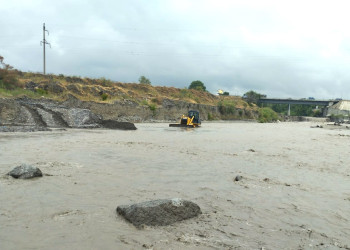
x,y
190,121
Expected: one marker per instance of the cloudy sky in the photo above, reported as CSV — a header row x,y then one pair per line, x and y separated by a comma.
x,y
286,48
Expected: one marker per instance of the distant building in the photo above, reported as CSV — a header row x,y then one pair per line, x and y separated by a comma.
x,y
220,91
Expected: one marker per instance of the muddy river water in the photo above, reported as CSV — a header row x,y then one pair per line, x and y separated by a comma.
x,y
295,191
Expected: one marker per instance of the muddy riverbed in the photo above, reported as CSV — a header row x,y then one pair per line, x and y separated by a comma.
x,y
295,190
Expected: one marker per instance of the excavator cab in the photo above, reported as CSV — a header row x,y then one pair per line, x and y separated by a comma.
x,y
195,115
192,120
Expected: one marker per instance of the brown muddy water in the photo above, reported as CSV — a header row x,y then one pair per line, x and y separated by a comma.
x,y
295,191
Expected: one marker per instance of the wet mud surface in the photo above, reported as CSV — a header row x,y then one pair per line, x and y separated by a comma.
x,y
294,192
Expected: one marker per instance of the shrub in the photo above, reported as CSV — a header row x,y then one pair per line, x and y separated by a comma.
x,y
318,113
8,76
157,100
185,93
152,106
17,92
337,118
253,97
41,91
227,107
103,81
144,80
210,117
144,102
267,115
104,96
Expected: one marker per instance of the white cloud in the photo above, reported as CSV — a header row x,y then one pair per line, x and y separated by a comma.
x,y
281,48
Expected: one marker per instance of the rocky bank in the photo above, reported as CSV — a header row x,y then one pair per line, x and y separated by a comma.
x,y
25,114
168,110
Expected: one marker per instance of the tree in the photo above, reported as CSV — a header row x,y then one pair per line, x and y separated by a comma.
x,y
253,97
144,80
198,85
295,109
8,79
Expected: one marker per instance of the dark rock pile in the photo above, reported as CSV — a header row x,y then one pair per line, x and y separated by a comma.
x,y
118,125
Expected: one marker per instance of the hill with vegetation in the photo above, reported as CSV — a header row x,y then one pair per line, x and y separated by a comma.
x,y
58,87
134,102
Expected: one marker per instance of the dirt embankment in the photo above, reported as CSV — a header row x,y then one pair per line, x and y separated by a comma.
x,y
109,91
60,101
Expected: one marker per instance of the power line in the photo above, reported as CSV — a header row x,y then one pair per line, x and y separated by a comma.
x,y
44,42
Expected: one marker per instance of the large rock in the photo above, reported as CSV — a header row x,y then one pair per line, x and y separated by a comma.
x,y
81,118
118,125
159,212
25,171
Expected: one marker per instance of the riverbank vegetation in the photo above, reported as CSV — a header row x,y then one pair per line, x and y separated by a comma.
x,y
297,109
14,83
267,115
252,97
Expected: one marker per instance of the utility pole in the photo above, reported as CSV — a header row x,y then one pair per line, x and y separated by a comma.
x,y
44,42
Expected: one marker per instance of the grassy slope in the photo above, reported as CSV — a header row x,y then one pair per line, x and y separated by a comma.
x,y
91,90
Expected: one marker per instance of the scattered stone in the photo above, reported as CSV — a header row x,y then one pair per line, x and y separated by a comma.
x,y
317,126
159,212
147,246
25,171
251,150
238,178
266,179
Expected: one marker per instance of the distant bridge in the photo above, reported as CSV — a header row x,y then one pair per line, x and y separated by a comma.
x,y
290,101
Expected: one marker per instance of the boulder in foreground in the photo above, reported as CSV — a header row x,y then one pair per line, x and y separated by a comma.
x,y
25,171
159,212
